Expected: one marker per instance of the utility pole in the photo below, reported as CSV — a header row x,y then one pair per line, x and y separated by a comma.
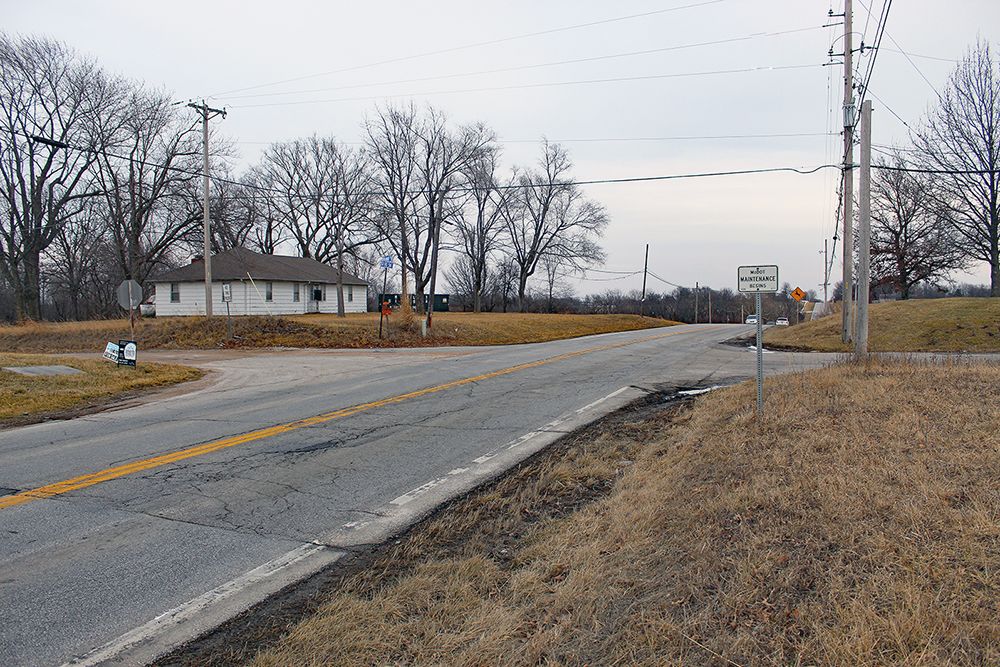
x,y
826,272
206,113
709,305
865,229
696,290
848,205
645,268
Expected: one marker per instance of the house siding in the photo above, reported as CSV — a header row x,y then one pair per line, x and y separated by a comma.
x,y
249,299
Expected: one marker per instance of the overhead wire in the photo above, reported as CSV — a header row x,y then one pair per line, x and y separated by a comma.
x,y
547,84
517,68
453,49
704,137
899,49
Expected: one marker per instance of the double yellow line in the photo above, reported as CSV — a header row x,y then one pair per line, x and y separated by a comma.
x,y
84,481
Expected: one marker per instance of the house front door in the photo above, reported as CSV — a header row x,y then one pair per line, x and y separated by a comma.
x,y
315,296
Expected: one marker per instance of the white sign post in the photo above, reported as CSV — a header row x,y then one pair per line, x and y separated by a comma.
x,y
227,296
759,280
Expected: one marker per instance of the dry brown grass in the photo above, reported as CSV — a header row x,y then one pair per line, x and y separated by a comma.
x,y
26,399
925,325
859,525
324,331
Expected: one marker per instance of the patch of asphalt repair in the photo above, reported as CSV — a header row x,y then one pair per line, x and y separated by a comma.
x,y
239,639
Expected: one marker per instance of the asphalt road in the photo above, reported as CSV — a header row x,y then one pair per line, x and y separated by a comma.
x,y
190,521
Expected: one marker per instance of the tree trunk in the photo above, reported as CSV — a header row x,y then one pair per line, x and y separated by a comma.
x,y
477,297
29,299
404,246
995,267
435,244
522,287
340,285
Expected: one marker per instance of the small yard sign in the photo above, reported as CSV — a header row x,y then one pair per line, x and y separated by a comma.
x,y
111,352
126,353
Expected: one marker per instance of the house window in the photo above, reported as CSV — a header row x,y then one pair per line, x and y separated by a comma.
x,y
268,291
318,292
350,293
175,292
295,292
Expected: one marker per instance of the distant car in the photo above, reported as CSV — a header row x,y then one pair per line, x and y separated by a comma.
x,y
782,321
751,319
147,310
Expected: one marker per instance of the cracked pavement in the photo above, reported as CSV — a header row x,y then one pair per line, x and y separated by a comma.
x,y
82,568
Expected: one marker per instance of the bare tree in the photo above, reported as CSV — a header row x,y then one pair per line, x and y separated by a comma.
x,y
392,145
555,272
244,215
323,196
479,225
443,159
962,137
50,106
552,217
147,170
911,242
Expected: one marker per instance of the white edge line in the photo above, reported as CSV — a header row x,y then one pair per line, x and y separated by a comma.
x,y
194,606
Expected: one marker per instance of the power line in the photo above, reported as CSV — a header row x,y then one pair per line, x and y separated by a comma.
x,y
517,68
889,109
705,137
918,55
954,172
490,42
649,77
908,58
879,33
596,181
663,280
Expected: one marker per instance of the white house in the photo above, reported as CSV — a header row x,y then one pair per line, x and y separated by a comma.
x,y
260,285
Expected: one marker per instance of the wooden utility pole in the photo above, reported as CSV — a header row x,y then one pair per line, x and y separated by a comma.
x,y
826,272
696,290
848,169
206,113
709,305
865,230
645,268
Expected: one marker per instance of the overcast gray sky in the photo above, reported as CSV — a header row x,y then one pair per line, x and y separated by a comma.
x,y
698,230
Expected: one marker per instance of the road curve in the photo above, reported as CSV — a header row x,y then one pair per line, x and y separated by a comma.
x,y
124,533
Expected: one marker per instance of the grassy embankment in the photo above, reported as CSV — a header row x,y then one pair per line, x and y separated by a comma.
x,y
857,526
26,399
323,331
925,325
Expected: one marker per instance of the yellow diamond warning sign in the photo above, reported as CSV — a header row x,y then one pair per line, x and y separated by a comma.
x,y
798,294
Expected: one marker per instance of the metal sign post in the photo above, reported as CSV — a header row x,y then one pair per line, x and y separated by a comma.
x,y
760,357
129,297
386,264
227,296
759,280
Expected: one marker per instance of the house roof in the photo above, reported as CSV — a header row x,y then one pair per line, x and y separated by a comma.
x,y
235,264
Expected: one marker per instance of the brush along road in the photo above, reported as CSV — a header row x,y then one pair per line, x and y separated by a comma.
x,y
126,533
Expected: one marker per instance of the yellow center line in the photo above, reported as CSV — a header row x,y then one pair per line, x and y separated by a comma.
x,y
90,479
